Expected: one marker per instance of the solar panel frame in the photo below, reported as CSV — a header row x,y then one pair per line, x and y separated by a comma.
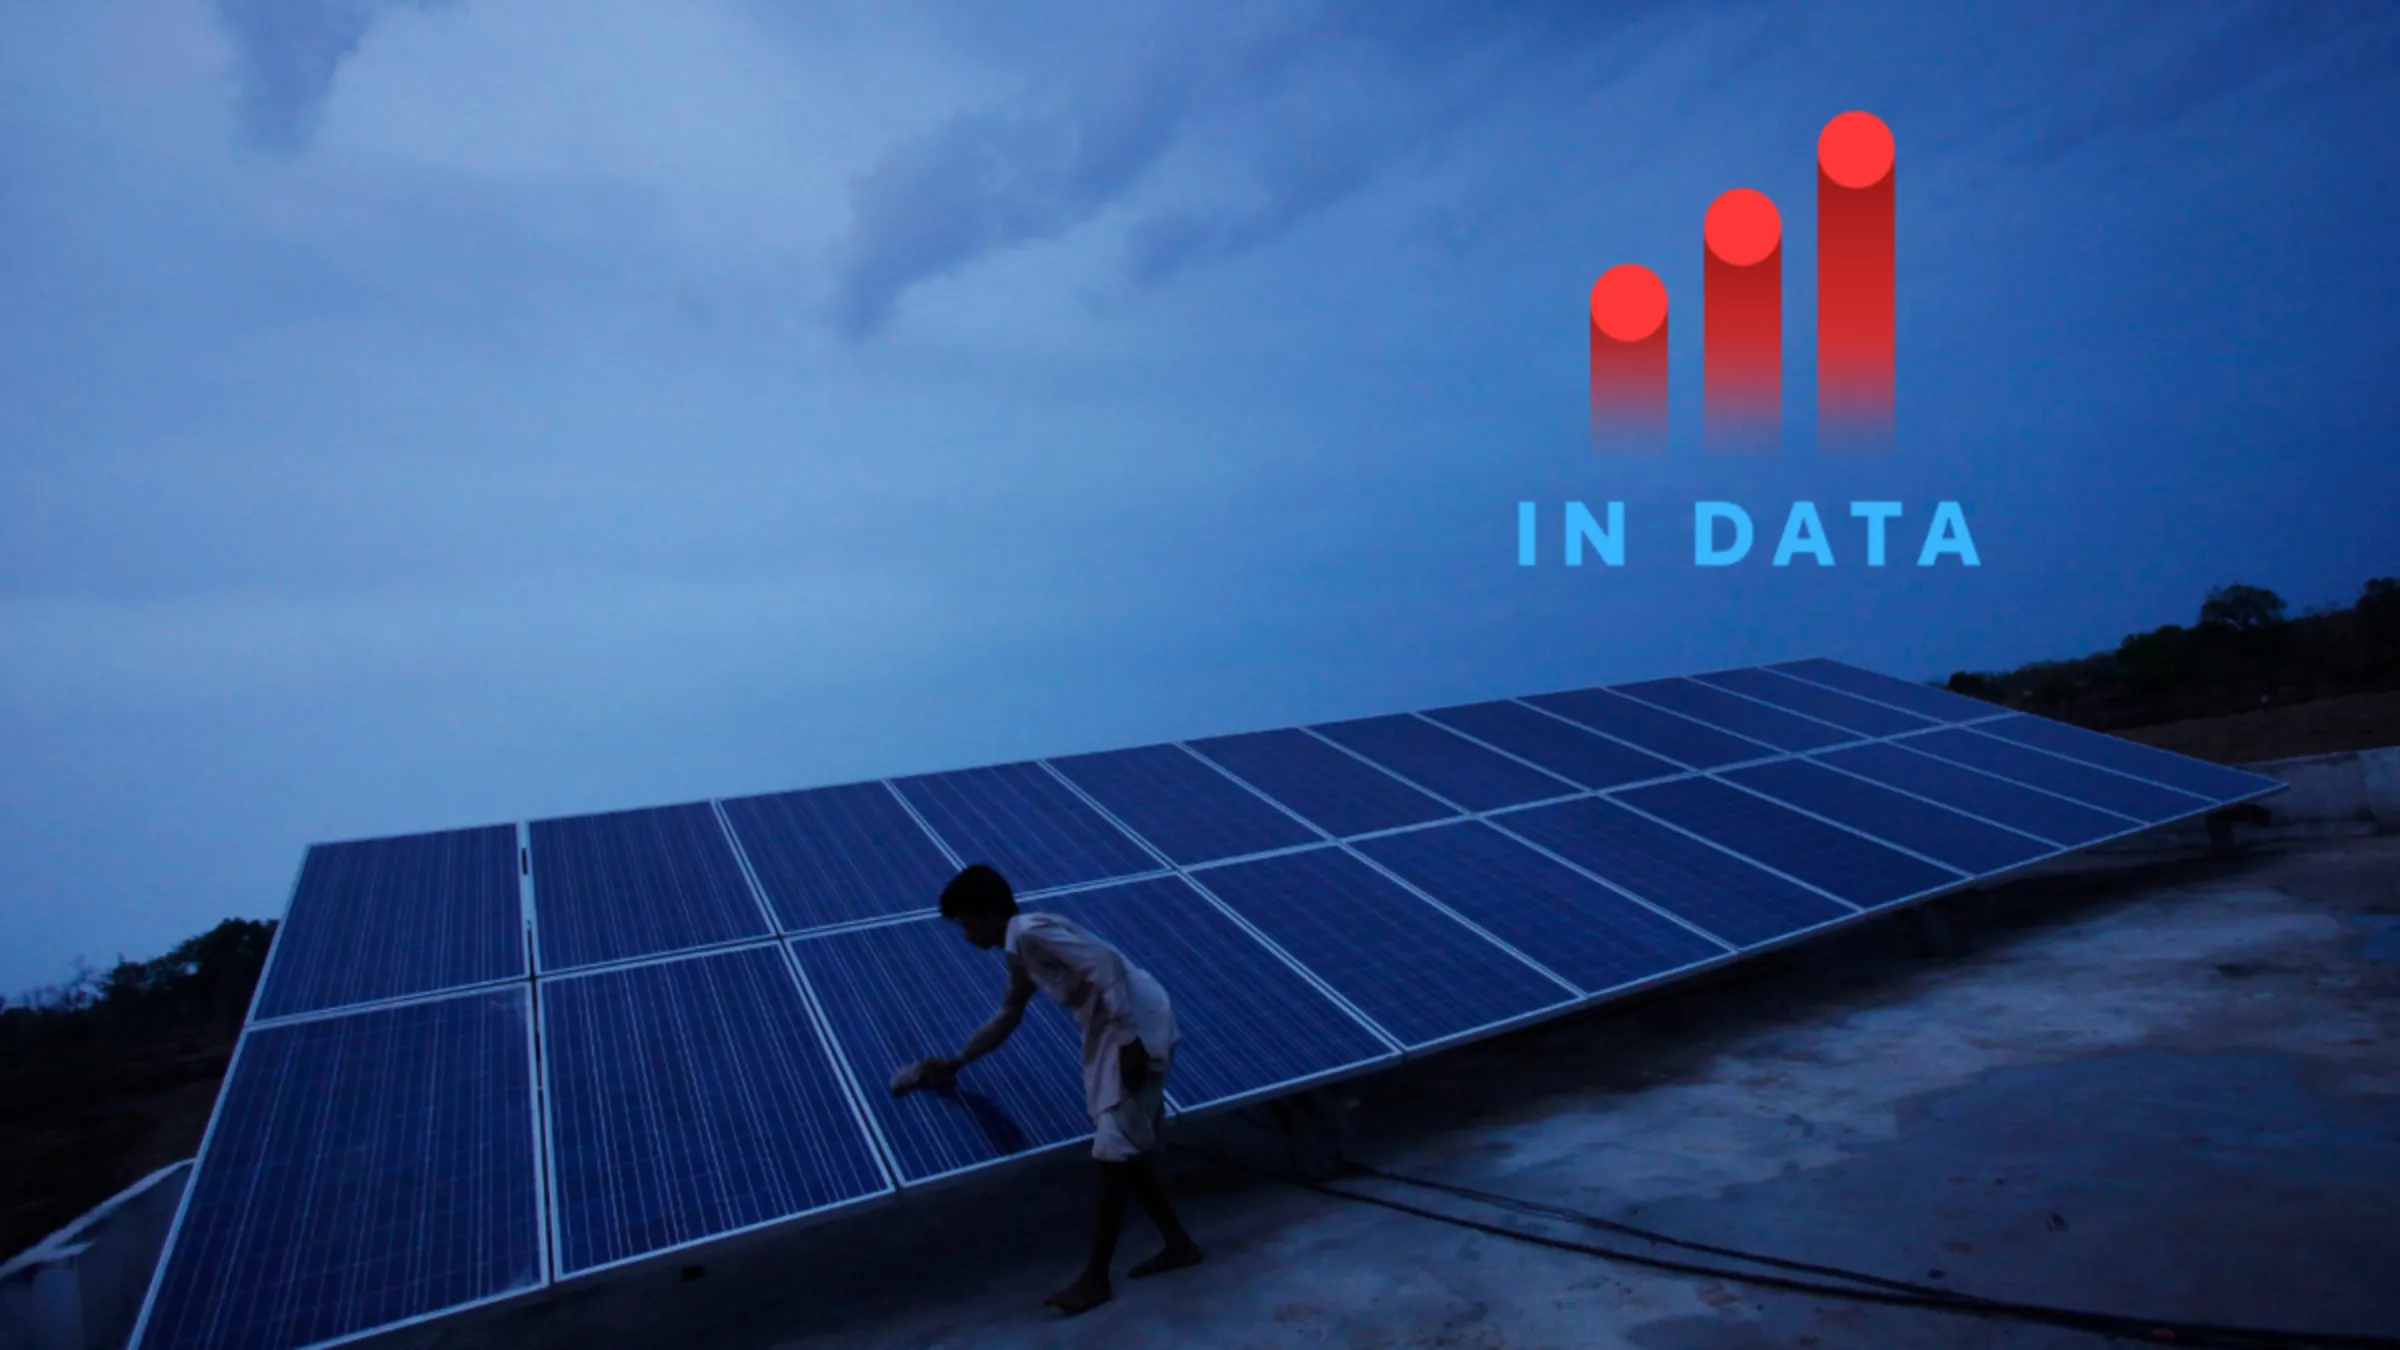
x,y
2134,759
1799,837
845,1083
1900,762
1252,758
733,896
1865,797
1924,700
800,848
1479,780
1122,802
2072,779
1630,720
1862,716
1493,719
1727,710
142,1335
958,803
323,989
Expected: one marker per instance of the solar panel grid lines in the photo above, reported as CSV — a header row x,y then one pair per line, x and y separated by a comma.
x,y
1025,821
1443,764
836,854
1727,778
1517,950
1554,744
291,1232
1996,731
1314,779
1592,936
2093,786
1572,784
1825,856
1663,732
1247,1034
626,885
1924,700
1737,714
914,814
373,920
1930,829
1847,711
1184,807
1411,966
2119,755
2048,815
650,1154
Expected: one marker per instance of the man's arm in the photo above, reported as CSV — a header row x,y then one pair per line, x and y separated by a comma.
x,y
991,1034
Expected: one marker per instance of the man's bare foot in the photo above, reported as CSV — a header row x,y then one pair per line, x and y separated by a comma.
x,y
1082,1296
1173,1258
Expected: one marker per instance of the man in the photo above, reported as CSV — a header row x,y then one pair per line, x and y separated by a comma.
x,y
1129,1041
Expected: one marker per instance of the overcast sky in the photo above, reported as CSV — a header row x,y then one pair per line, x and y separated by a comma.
x,y
415,415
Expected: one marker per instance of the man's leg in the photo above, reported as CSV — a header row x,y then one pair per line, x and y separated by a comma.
x,y
1180,1250
1090,1289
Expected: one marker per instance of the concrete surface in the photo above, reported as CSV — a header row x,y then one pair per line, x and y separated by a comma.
x,y
81,1287
2168,1089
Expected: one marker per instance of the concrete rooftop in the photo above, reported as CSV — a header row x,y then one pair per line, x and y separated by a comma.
x,y
2166,1088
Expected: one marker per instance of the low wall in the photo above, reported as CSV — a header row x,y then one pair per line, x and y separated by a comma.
x,y
81,1287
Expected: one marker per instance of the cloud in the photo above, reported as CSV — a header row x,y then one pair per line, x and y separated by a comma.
x,y
286,53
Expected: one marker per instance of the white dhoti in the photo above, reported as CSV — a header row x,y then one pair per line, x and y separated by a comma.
x,y
1117,1004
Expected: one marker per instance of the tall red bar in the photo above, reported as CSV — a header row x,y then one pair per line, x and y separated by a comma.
x,y
1629,360
1742,322
1855,173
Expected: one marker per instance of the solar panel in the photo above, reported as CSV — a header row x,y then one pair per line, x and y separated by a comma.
x,y
1250,1025
2145,802
1594,937
1921,699
2044,815
1714,891
1445,763
1661,733
1183,807
691,1098
1020,819
630,884
896,993
2109,752
387,918
838,854
1741,716
1947,836
1837,861
722,989
362,1170
1420,974
1559,746
1826,705
1338,793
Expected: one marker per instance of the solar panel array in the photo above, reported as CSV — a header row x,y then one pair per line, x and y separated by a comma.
x,y
485,1060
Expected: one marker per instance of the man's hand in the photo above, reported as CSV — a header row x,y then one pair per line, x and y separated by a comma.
x,y
934,1072
1133,1066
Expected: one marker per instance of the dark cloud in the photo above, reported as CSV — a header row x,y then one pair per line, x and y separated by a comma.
x,y
286,53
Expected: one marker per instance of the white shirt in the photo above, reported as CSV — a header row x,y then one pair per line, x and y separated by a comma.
x,y
1115,1001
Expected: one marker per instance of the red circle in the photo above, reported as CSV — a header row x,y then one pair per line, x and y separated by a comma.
x,y
1855,150
1742,227
1629,302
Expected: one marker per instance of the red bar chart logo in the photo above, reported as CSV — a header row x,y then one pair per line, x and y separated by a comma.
x,y
1742,314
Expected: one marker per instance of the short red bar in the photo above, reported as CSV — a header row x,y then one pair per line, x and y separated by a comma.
x,y
1742,323
1855,175
1629,360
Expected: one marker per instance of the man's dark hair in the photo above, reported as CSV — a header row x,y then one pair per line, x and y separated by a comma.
x,y
978,889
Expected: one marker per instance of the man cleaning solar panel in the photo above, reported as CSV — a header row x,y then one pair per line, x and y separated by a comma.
x,y
1129,1041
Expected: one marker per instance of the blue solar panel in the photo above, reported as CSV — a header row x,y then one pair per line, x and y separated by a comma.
x,y
1021,820
362,1170
1187,810
1923,699
897,993
1828,857
1741,716
1661,733
2062,822
2176,771
1561,747
1826,705
1679,874
1937,832
2096,787
1337,792
1422,975
1442,762
1248,1023
1591,936
637,883
385,918
838,854
690,1098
